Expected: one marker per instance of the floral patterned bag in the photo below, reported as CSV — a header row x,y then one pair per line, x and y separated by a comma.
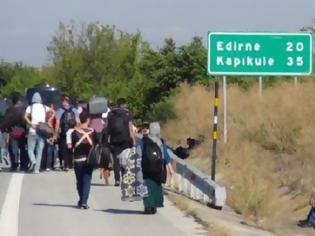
x,y
132,186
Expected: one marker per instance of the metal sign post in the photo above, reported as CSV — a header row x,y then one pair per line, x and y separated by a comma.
x,y
257,54
215,130
224,110
260,85
296,81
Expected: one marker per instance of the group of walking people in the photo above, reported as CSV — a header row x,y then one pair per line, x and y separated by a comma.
x,y
138,157
25,146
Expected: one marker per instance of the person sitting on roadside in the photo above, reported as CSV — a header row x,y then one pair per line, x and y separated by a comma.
x,y
35,114
82,140
184,152
310,220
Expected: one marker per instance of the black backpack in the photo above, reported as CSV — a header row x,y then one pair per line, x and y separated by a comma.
x,y
67,115
152,158
118,127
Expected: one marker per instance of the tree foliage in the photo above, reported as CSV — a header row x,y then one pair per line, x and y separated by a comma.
x,y
17,77
93,59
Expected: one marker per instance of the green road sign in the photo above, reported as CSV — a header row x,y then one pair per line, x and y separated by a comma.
x,y
259,53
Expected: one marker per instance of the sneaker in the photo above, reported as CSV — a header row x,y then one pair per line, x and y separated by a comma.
x,y
117,183
153,210
85,206
6,161
32,166
147,211
306,224
36,171
303,221
48,169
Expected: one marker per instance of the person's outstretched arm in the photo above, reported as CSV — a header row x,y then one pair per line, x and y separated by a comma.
x,y
132,134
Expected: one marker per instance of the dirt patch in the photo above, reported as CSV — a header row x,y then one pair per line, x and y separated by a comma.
x,y
218,223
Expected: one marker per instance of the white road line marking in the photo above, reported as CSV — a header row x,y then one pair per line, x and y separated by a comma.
x,y
9,217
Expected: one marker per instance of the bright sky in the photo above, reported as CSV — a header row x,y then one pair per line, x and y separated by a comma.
x,y
26,26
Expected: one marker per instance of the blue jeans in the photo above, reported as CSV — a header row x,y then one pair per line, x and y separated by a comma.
x,y
35,146
2,147
51,155
83,174
2,154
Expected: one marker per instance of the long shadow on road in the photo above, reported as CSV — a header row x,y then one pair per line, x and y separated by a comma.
x,y
98,185
54,205
122,212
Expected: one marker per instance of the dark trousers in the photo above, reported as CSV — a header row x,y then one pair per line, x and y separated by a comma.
x,y
310,213
117,169
65,155
51,153
116,149
83,174
18,153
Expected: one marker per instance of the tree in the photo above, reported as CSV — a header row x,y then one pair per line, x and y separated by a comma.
x,y
193,60
95,59
89,58
7,71
22,77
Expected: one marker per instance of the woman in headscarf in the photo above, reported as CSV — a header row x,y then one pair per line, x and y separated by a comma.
x,y
155,164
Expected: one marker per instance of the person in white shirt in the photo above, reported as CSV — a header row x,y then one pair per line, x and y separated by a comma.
x,y
34,114
72,124
64,115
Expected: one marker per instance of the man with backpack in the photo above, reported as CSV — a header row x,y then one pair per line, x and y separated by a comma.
x,y
35,115
14,124
121,133
64,116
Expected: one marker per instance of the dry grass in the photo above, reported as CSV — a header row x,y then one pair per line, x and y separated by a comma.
x,y
183,204
193,115
215,231
268,162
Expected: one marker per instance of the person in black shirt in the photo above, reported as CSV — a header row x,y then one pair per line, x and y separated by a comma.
x,y
107,164
121,133
14,124
83,139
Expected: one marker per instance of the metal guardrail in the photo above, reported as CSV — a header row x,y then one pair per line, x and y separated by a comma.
x,y
191,182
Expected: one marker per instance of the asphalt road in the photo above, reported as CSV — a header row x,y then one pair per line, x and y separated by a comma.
x,y
44,205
